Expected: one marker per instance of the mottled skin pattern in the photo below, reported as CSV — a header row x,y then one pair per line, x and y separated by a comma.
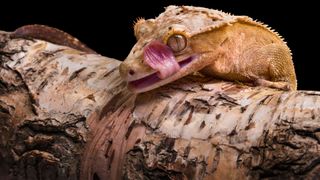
x,y
228,47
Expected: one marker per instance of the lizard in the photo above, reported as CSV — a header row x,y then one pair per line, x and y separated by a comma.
x,y
50,34
185,39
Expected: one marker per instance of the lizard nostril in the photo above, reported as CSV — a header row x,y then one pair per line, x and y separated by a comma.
x,y
131,72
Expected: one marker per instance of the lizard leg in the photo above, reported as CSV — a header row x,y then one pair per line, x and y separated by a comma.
x,y
278,85
280,72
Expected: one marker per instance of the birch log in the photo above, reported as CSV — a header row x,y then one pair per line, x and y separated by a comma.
x,y
65,114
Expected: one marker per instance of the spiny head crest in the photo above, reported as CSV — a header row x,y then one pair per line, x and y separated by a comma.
x,y
142,27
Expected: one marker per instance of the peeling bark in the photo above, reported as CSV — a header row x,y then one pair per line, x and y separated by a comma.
x,y
65,114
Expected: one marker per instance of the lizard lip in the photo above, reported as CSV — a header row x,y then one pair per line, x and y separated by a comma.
x,y
153,78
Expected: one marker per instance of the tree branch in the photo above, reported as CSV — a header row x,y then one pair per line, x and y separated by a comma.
x,y
65,114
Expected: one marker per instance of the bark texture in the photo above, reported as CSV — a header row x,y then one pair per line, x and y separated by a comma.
x,y
67,115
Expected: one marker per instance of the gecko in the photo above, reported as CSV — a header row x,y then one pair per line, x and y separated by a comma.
x,y
185,39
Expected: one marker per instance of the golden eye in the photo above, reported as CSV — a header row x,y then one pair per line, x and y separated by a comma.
x,y
177,42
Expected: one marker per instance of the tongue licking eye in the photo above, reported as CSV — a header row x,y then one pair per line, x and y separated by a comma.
x,y
160,57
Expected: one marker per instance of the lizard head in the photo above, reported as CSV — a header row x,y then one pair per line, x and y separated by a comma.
x,y
180,41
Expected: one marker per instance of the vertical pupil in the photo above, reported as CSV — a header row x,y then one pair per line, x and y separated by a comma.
x,y
178,42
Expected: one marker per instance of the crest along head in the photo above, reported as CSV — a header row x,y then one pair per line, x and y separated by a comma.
x,y
143,27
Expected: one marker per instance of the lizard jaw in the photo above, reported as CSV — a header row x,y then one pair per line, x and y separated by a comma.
x,y
148,82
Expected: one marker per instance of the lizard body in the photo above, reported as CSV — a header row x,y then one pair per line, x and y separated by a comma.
x,y
185,39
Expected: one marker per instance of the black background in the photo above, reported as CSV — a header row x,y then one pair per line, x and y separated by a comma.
x,y
107,26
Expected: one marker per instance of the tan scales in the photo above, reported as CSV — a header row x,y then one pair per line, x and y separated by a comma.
x,y
228,47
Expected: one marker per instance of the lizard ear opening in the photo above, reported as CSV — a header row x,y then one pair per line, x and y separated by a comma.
x,y
142,27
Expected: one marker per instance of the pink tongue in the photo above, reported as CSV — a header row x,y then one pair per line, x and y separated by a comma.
x,y
160,57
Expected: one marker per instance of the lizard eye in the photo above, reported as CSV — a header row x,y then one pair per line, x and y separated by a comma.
x,y
177,42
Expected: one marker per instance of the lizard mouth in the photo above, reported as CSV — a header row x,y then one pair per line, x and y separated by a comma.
x,y
154,77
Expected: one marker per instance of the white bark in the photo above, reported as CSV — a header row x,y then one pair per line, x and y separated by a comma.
x,y
68,115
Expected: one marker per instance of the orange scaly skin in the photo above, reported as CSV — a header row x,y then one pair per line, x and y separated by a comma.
x,y
225,46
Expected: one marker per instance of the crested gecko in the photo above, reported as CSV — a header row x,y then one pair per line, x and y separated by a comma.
x,y
186,39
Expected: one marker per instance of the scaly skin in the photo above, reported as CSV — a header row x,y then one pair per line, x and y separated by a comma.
x,y
228,47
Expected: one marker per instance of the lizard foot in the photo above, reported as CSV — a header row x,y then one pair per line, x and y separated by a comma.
x,y
278,85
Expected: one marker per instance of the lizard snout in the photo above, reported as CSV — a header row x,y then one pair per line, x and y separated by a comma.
x,y
131,69
125,71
